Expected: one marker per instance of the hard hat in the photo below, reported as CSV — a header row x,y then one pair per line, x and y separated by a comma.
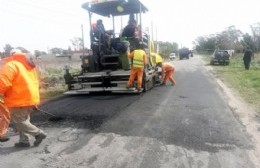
x,y
14,51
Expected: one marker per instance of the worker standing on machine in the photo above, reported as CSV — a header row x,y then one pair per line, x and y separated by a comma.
x,y
137,70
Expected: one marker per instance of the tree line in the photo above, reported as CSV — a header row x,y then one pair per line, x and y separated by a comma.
x,y
76,42
230,39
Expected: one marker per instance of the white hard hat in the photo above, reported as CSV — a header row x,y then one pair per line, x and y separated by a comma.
x,y
13,51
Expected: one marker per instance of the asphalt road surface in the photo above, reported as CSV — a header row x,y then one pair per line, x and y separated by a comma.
x,y
189,125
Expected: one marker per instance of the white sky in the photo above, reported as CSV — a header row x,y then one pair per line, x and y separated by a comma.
x,y
43,24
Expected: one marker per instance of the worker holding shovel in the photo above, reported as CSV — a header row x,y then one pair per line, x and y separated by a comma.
x,y
19,87
4,121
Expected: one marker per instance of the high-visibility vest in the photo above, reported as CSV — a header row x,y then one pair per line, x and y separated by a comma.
x,y
138,59
167,67
19,82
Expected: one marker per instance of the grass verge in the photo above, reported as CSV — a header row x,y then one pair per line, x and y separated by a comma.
x,y
246,82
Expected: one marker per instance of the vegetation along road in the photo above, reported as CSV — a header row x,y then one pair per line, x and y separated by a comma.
x,y
199,122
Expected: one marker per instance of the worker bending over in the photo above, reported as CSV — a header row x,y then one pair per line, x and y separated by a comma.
x,y
4,120
137,70
167,72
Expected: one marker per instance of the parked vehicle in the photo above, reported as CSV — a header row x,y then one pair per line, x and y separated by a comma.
x,y
107,68
172,56
221,57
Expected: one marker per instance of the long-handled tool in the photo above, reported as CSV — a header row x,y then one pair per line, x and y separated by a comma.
x,y
53,118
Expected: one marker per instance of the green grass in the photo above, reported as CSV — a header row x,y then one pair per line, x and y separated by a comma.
x,y
52,83
246,82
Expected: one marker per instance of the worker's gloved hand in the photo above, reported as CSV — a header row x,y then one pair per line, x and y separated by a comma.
x,y
2,99
35,107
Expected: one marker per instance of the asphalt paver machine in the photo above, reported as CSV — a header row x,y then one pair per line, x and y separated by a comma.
x,y
107,68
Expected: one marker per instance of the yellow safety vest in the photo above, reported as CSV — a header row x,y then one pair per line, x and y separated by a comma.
x,y
138,60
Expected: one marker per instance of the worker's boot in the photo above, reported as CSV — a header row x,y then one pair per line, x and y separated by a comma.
x,y
39,138
4,138
22,144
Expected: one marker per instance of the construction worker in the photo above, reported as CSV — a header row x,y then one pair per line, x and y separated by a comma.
x,y
167,72
155,58
4,121
4,115
19,87
101,33
247,58
137,70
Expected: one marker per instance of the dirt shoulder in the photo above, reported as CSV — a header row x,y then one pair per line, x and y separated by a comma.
x,y
244,113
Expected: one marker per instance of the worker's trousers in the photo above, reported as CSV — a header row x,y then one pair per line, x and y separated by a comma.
x,y
247,64
169,75
4,120
20,116
136,72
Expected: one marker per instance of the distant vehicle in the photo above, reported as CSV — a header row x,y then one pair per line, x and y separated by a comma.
x,y
184,53
172,56
191,53
221,57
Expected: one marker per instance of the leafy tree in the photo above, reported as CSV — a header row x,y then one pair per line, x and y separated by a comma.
x,y
205,43
166,48
228,39
255,28
7,49
77,43
223,42
56,50
23,49
69,50
38,53
248,41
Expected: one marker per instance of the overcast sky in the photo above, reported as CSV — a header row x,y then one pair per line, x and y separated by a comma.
x,y
43,24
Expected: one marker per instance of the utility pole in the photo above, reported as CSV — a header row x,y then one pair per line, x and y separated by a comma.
x,y
82,40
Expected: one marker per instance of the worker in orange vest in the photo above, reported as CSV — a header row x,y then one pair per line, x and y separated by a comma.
x,y
137,70
4,115
4,120
19,86
167,72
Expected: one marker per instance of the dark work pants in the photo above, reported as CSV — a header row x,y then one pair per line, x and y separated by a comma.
x,y
247,64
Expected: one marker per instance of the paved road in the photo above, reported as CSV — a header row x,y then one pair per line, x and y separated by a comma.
x,y
189,125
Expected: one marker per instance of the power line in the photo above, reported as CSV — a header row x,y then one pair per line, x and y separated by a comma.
x,y
53,18
36,17
41,8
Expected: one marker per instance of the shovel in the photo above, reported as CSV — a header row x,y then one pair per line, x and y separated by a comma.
x,y
53,118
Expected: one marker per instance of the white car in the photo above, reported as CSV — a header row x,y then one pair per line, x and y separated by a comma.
x,y
172,56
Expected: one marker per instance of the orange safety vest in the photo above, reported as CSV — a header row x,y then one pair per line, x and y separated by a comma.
x,y
4,120
167,67
19,82
138,59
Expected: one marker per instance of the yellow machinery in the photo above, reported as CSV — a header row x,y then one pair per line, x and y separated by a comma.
x,y
107,68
